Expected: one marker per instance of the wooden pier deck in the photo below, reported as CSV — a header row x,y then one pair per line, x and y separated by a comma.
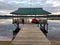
x,y
30,34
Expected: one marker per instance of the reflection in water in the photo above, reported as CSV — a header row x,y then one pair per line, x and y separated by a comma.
x,y
7,28
16,22
5,21
54,30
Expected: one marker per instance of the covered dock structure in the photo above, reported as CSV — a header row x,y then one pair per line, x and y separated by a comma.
x,y
30,34
30,12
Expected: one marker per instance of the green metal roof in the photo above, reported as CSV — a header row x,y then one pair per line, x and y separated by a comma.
x,y
30,11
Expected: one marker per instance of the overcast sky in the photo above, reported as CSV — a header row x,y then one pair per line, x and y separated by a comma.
x,y
7,6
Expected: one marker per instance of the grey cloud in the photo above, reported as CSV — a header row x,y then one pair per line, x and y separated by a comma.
x,y
11,5
52,9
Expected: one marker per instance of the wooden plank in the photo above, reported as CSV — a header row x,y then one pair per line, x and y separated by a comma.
x,y
30,34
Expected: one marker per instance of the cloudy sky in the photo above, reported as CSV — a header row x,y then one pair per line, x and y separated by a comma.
x,y
7,6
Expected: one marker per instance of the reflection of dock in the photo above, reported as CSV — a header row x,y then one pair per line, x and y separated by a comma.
x,y
30,35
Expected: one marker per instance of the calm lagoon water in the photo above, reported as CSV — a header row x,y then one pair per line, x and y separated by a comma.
x,y
6,29
54,30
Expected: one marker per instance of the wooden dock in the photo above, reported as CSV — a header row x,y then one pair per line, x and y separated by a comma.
x,y
30,34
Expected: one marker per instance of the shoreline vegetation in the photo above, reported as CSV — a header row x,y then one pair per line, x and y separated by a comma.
x,y
50,17
5,42
30,15
53,42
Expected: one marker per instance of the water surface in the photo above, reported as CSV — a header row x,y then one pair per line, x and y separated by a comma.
x,y
7,28
54,29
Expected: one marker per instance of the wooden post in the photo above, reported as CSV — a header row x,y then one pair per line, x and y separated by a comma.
x,y
17,25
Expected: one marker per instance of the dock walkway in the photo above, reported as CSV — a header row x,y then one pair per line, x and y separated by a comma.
x,y
30,34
